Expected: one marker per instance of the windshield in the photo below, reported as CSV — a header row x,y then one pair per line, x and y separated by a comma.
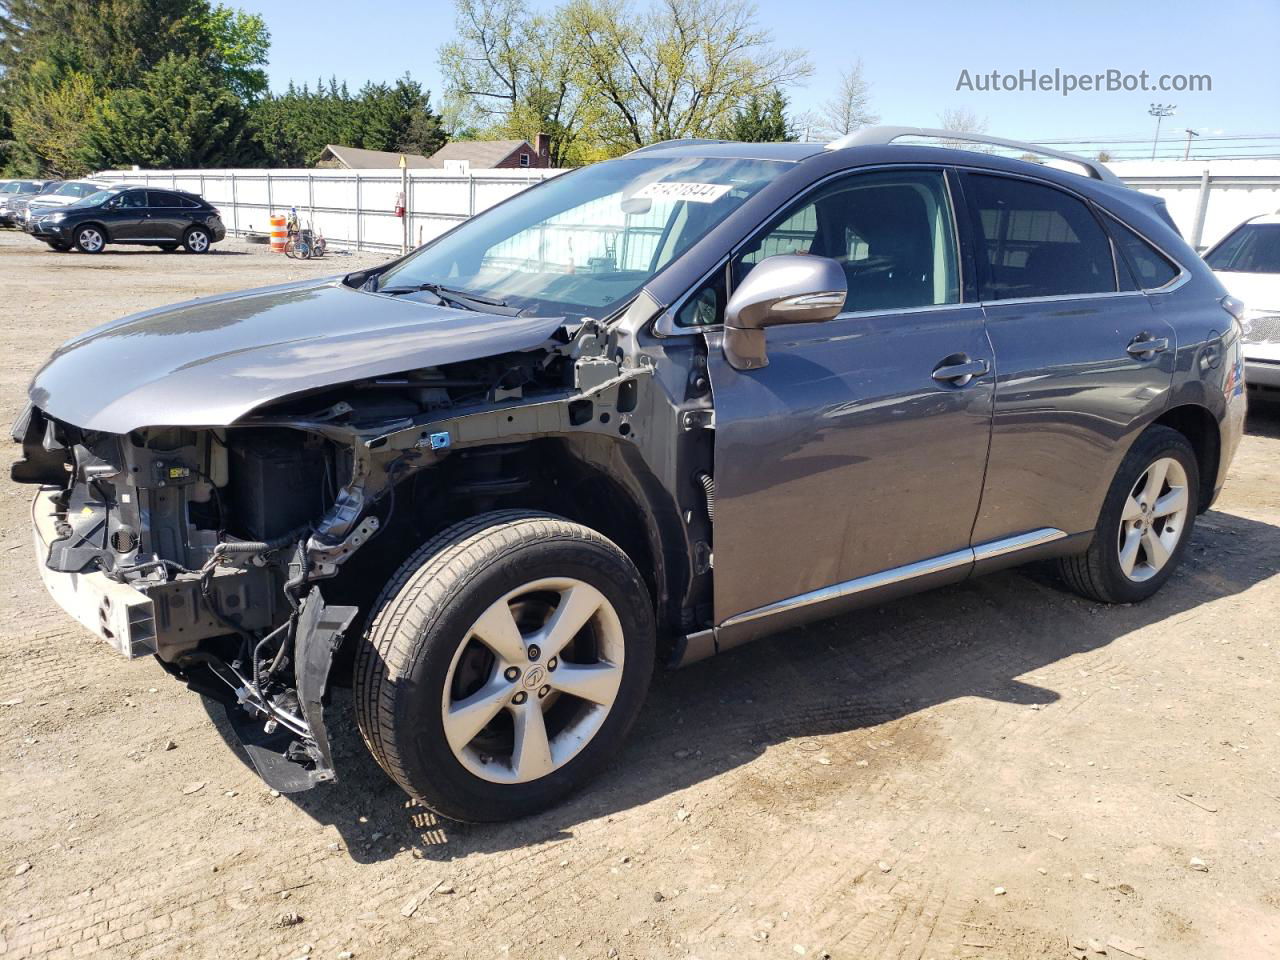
x,y
100,196
585,242
75,190
1253,248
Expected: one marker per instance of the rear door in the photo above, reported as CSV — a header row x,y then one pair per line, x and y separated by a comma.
x,y
167,215
1082,360
847,460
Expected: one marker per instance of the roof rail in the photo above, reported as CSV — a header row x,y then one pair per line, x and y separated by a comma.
x,y
879,136
687,141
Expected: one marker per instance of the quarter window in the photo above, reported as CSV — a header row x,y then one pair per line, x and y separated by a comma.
x,y
1038,241
1151,269
890,232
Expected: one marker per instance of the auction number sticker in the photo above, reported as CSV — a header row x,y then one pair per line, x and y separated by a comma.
x,y
678,190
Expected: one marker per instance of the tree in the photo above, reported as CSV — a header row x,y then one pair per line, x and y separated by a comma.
x,y
674,70
51,119
760,120
850,108
240,41
510,74
181,116
398,117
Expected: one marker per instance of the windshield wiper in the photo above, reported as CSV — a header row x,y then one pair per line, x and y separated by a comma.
x,y
459,298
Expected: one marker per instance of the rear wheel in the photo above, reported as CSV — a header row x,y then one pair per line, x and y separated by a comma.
x,y
90,239
1145,523
504,665
197,240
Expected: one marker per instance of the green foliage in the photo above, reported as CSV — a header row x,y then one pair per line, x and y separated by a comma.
x,y
605,76
293,128
762,119
50,121
240,41
182,115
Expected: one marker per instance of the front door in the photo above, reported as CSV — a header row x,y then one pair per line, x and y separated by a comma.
x,y
126,215
853,454
1082,359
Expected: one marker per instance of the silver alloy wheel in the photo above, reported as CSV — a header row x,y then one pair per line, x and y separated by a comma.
x,y
555,706
197,241
1153,519
91,239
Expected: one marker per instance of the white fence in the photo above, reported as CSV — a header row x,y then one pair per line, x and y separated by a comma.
x,y
352,208
356,208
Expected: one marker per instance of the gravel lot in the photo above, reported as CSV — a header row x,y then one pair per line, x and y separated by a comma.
x,y
993,770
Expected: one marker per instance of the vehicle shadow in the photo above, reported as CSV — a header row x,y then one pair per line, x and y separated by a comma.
x,y
972,640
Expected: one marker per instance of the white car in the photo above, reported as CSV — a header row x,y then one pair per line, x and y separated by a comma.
x,y
1247,261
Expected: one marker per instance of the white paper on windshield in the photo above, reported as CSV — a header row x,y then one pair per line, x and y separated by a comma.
x,y
679,190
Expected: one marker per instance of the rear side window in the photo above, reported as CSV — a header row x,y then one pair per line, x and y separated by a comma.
x,y
161,198
1252,248
1038,241
1150,268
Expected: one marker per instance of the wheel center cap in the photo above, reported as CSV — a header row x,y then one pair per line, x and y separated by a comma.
x,y
535,676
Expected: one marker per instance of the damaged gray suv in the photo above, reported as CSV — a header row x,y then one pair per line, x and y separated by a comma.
x,y
638,414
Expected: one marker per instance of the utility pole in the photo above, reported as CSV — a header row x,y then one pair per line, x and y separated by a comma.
x,y
1186,154
1160,111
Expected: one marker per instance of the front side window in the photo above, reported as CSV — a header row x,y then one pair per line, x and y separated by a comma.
x,y
131,200
584,243
1038,241
890,232
1252,248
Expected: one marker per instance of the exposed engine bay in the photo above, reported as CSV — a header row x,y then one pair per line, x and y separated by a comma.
x,y
205,546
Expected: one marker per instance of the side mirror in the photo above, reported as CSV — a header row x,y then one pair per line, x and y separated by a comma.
x,y
788,288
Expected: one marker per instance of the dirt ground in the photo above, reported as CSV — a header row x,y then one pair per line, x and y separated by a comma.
x,y
997,769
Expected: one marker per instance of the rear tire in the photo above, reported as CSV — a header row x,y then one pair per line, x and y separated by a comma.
x,y
553,717
197,240
1145,523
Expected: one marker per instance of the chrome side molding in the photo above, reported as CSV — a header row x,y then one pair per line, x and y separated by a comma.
x,y
910,571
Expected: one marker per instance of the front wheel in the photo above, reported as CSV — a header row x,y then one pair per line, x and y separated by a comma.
x,y
1145,523
90,239
197,240
504,665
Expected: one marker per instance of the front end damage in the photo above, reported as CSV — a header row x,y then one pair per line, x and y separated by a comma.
x,y
208,546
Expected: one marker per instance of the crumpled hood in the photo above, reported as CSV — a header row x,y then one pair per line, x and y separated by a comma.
x,y
209,362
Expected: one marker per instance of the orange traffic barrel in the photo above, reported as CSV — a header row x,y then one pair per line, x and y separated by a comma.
x,y
278,234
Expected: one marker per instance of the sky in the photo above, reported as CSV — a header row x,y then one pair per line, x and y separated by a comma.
x,y
913,52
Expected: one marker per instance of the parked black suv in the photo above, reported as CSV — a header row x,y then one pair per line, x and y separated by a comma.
x,y
642,412
135,215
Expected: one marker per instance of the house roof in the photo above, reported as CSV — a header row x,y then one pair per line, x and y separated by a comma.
x,y
482,154
354,158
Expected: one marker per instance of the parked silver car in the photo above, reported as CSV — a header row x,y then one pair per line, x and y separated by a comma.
x,y
640,413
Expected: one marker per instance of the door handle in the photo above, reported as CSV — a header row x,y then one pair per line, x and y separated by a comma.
x,y
1144,346
960,371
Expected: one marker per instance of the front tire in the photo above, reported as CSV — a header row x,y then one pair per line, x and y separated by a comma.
x,y
90,239
1145,523
504,664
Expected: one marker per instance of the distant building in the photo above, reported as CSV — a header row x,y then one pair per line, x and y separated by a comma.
x,y
459,155
493,154
354,158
